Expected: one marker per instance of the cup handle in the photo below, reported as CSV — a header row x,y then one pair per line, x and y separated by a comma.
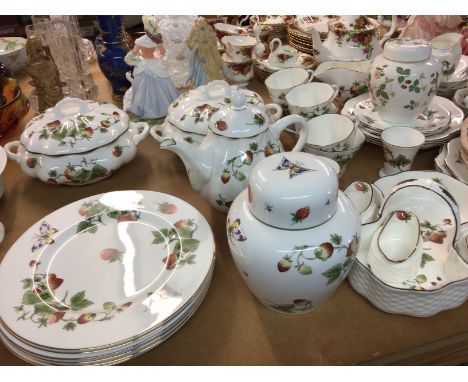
x,y
140,134
336,90
272,44
13,155
311,75
299,122
277,108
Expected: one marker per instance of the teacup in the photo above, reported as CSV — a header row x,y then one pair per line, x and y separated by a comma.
x,y
400,145
447,49
311,99
283,56
396,248
239,48
223,30
237,72
330,132
282,81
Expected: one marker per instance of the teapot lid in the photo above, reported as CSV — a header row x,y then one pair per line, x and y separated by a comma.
x,y
192,111
352,23
74,126
407,50
240,119
293,190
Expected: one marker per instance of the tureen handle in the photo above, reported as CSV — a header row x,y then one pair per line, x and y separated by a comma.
x,y
60,109
300,124
272,44
139,134
227,89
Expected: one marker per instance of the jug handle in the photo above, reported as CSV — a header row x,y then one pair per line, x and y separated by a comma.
x,y
227,89
392,30
272,44
299,122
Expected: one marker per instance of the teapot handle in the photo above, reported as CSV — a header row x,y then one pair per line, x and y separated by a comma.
x,y
272,44
299,122
139,131
392,30
227,89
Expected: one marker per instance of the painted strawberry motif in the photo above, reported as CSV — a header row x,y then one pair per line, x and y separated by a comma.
x,y
248,158
352,248
221,125
85,318
175,104
116,114
31,162
54,124
300,214
83,211
88,132
437,237
324,252
203,107
53,281
361,187
105,124
284,265
225,176
32,263
403,215
69,173
117,151
52,181
181,223
268,151
126,305
126,218
110,254
170,261
447,221
168,208
55,317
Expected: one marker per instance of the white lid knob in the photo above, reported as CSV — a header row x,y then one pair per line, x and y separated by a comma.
x,y
238,100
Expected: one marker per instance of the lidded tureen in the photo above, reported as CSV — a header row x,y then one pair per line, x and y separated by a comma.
x,y
293,235
239,136
77,142
189,115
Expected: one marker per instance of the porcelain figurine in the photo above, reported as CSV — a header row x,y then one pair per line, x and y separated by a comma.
x,y
292,234
45,75
351,38
239,136
77,142
403,80
426,27
152,89
205,62
111,49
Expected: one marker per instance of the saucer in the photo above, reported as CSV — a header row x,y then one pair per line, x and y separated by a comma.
x,y
304,61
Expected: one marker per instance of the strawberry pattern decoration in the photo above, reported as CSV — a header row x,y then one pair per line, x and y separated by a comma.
x,y
300,215
435,233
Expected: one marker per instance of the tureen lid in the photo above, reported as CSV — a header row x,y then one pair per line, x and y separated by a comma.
x,y
407,50
192,111
74,126
352,23
293,190
238,119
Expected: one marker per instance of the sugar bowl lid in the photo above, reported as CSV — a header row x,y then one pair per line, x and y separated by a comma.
x,y
407,50
74,126
293,190
239,119
192,111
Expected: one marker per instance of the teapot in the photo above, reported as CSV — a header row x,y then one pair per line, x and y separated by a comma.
x,y
351,38
239,136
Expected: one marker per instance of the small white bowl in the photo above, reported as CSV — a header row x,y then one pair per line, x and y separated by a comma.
x,y
311,98
330,132
282,81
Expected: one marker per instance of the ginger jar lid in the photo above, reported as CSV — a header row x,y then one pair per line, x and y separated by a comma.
x,y
74,126
192,111
293,190
407,50
239,119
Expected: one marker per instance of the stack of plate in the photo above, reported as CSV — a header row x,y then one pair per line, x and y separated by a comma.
x,y
451,162
263,68
300,39
458,80
439,124
104,279
278,24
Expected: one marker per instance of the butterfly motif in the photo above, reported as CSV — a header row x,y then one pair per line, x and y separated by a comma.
x,y
294,168
235,232
44,238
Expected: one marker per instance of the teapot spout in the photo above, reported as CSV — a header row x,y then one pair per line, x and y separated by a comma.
x,y
195,158
322,54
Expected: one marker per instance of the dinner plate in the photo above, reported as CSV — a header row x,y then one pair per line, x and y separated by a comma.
x,y
103,270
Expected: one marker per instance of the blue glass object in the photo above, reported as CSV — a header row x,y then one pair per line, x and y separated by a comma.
x,y
111,48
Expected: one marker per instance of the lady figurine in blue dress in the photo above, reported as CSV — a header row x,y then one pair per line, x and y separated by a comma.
x,y
152,90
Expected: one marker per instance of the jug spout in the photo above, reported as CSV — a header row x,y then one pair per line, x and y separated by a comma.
x,y
322,54
195,158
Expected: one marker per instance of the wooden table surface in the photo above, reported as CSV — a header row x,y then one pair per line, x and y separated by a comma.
x,y
231,327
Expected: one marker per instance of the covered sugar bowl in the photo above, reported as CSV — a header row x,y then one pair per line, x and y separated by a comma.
x,y
77,142
292,234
